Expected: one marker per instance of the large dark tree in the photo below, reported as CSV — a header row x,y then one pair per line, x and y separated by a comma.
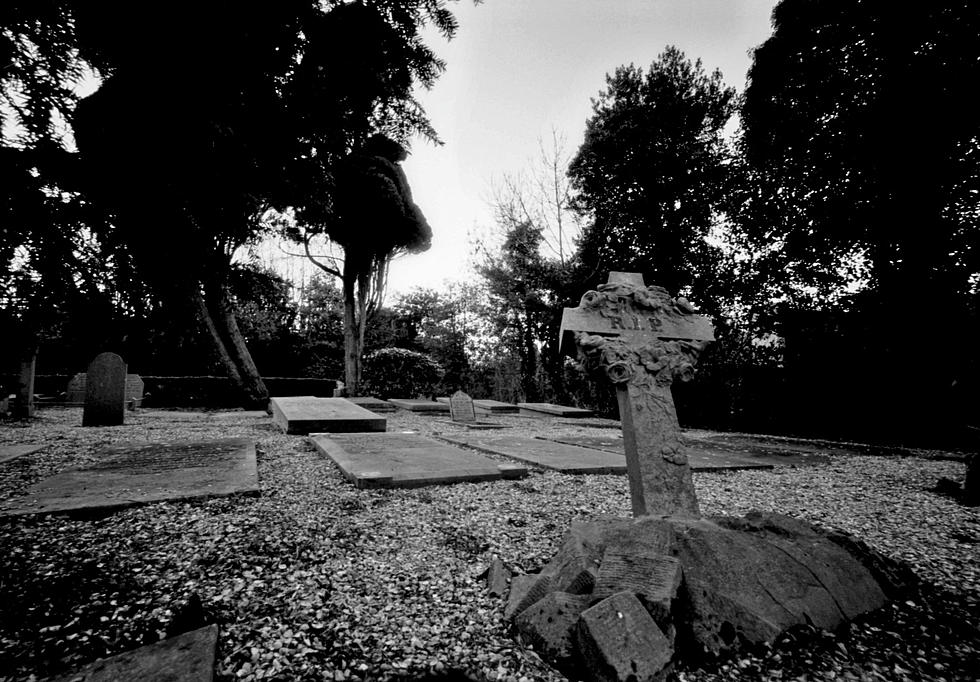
x,y
206,117
650,172
862,138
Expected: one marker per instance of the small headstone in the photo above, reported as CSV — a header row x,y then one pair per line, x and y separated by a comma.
x,y
75,392
105,391
188,657
461,408
134,391
24,406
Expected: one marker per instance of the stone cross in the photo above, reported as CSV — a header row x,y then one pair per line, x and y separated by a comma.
x,y
641,339
105,391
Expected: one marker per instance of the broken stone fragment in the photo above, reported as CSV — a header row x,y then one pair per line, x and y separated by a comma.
x,y
653,577
618,641
747,580
498,578
549,625
525,590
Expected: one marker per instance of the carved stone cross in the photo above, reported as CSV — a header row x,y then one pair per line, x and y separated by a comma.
x,y
641,339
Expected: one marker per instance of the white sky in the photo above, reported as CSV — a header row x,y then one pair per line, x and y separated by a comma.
x,y
518,68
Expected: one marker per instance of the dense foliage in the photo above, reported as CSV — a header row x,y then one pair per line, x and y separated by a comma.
x,y
401,373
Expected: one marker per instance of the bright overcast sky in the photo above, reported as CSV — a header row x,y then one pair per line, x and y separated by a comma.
x,y
518,68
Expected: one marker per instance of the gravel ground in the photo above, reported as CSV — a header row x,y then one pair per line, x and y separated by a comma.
x,y
316,580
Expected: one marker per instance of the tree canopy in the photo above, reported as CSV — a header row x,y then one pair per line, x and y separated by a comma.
x,y
650,171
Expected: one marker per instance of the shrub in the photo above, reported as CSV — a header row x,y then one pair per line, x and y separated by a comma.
x,y
400,373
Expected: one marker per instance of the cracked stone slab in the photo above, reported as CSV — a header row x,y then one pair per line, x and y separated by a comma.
x,y
188,657
569,459
407,460
140,473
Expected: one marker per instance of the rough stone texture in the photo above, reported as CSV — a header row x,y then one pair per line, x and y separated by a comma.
x,y
408,460
139,473
525,590
419,405
105,391
134,390
751,579
552,410
24,407
546,454
300,415
549,625
185,658
619,641
494,407
11,452
498,578
461,408
651,576
641,340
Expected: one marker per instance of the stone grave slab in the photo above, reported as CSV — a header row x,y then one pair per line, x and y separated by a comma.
x,y
494,407
11,452
568,459
188,657
300,415
420,405
552,410
703,456
375,405
406,460
139,473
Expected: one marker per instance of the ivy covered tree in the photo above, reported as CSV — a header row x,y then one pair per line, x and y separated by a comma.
x,y
650,174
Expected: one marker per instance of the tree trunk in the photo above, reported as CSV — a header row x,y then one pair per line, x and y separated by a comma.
x,y
220,317
352,338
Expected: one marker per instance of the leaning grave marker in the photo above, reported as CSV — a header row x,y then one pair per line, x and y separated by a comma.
x,y
105,391
129,474
717,584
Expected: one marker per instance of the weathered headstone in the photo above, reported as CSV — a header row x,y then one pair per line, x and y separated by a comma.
x,y
134,390
105,391
75,391
461,408
641,340
24,405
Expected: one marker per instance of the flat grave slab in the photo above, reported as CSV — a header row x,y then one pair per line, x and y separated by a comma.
x,y
10,452
139,473
569,459
300,415
551,410
404,460
188,657
705,455
420,405
494,407
375,405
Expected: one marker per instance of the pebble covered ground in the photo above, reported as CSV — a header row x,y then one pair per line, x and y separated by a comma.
x,y
317,580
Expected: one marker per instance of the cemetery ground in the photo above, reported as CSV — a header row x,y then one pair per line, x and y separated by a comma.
x,y
316,579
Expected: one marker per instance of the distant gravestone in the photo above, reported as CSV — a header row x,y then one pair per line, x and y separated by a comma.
x,y
24,406
461,408
75,392
105,391
134,390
